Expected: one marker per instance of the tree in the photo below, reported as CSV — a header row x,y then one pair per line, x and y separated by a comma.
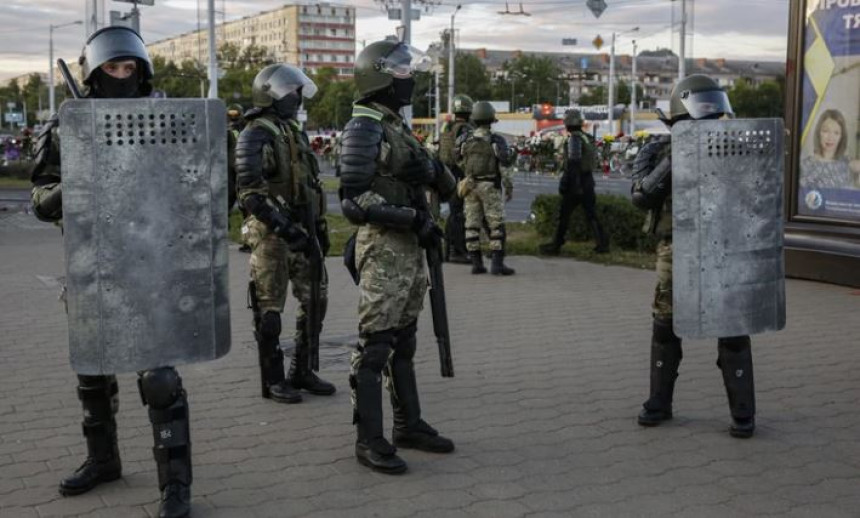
x,y
529,80
331,107
764,100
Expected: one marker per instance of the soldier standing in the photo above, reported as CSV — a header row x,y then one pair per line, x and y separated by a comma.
x,y
115,64
577,185
235,125
695,97
481,154
455,228
278,182
384,173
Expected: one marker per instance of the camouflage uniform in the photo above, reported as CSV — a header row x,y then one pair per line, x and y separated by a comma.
x,y
483,199
287,177
455,232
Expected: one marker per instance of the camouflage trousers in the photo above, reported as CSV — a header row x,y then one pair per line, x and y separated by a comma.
x,y
663,291
273,265
484,201
392,281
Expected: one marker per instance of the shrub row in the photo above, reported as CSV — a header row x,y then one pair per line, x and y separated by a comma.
x,y
618,216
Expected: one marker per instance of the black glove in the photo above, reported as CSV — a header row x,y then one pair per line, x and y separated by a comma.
x,y
322,236
418,171
296,238
429,233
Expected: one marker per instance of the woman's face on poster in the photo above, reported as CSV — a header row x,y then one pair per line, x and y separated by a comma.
x,y
831,135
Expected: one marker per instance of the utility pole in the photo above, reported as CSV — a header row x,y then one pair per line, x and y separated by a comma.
x,y
633,105
406,21
682,60
213,59
451,59
436,102
611,101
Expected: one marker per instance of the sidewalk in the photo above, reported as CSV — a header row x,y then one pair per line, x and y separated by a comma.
x,y
551,370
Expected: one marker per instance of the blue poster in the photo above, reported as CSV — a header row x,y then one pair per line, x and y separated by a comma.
x,y
829,181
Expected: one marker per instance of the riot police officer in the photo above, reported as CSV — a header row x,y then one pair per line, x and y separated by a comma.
x,y
577,185
385,173
696,97
278,183
481,155
115,64
455,228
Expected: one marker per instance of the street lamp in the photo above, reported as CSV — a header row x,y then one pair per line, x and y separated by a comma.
x,y
611,100
51,94
451,62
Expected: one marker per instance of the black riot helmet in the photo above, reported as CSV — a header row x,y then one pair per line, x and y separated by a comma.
x,y
573,120
698,97
116,43
385,68
281,88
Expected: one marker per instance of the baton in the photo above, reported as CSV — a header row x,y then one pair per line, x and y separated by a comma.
x,y
70,81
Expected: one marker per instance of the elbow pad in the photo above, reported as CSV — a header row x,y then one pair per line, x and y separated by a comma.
x,y
360,147
650,192
46,159
384,215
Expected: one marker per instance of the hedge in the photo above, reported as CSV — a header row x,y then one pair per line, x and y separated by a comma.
x,y
618,216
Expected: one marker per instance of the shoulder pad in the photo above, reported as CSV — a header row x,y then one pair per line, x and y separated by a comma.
x,y
647,157
249,154
359,149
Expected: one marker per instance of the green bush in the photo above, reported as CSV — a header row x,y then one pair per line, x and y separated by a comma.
x,y
19,169
618,216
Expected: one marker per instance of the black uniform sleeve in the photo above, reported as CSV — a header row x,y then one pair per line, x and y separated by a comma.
x,y
652,170
574,153
250,178
47,193
360,147
502,150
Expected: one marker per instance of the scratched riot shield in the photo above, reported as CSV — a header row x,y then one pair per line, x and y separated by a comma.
x,y
145,229
727,236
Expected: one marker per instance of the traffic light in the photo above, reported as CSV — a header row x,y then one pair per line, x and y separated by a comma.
x,y
544,111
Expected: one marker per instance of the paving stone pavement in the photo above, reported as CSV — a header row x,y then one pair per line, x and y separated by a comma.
x,y
551,369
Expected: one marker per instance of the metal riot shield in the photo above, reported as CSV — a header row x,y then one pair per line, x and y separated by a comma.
x,y
145,228
727,236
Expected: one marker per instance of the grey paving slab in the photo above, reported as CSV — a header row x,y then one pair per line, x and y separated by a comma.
x,y
551,371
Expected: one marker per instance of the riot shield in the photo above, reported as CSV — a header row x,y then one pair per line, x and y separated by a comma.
x,y
727,236
145,229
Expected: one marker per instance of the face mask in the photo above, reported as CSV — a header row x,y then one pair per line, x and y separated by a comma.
x,y
288,106
108,86
403,90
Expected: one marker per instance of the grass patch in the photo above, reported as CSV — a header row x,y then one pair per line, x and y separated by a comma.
x,y
330,184
523,239
14,183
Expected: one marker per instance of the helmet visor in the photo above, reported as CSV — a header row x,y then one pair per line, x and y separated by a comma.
x,y
701,105
287,80
403,61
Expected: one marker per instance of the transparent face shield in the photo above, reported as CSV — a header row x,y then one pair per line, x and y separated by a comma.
x,y
702,105
287,80
403,61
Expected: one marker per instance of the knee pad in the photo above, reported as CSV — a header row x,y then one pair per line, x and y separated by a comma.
x,y
160,387
405,343
376,351
270,324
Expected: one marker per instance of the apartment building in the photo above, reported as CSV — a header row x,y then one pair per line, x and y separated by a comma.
x,y
656,71
312,36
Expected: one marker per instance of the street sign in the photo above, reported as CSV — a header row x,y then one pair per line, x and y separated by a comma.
x,y
138,2
397,13
597,7
568,41
597,42
583,63
13,117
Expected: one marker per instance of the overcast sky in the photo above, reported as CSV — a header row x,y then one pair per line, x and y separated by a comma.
x,y
742,29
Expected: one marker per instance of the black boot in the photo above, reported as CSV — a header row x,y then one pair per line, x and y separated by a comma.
x,y
410,431
600,238
497,267
301,376
161,390
665,358
371,448
734,358
98,395
477,262
272,379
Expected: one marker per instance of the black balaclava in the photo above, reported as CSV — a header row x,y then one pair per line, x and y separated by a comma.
x,y
107,86
287,107
396,96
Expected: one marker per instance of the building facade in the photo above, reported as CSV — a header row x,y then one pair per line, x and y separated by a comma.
x,y
657,71
312,36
